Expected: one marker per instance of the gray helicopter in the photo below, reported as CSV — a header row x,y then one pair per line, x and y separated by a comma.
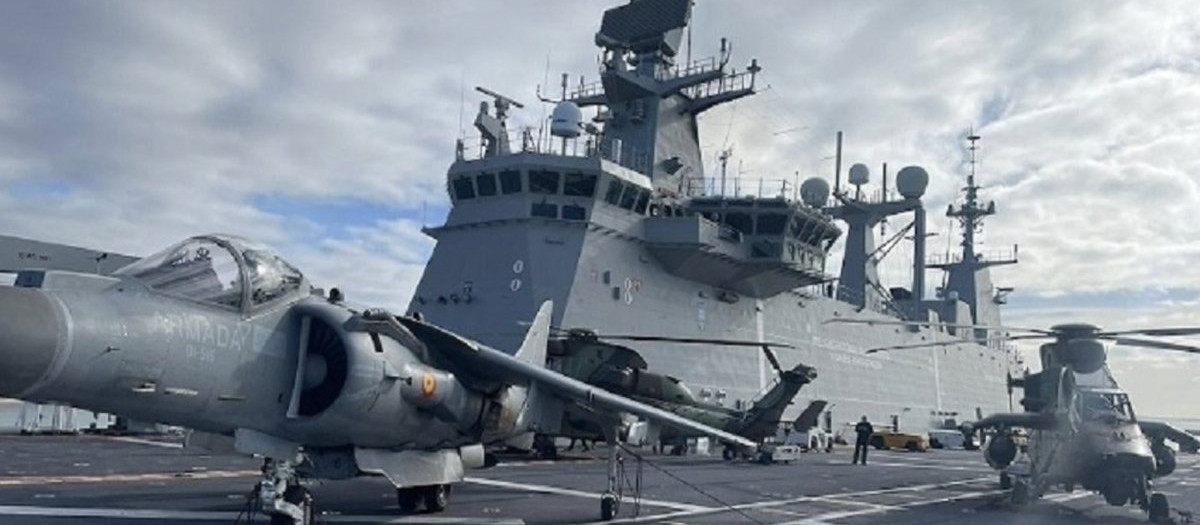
x,y
1081,427
221,335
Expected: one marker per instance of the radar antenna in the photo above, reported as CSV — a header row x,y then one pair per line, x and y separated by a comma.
x,y
495,134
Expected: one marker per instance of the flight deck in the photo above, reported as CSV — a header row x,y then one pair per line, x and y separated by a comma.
x,y
121,480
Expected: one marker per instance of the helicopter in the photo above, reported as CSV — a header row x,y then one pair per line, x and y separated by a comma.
x,y
1082,429
220,335
592,358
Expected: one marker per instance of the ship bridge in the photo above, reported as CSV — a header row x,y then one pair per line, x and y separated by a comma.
x,y
755,246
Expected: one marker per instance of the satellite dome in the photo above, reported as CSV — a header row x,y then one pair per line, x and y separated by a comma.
x,y
815,192
912,181
566,120
859,174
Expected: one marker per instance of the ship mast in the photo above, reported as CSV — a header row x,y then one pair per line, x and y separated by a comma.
x,y
963,281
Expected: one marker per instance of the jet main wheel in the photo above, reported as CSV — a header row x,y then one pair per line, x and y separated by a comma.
x,y
608,507
408,498
435,497
1160,510
728,454
300,497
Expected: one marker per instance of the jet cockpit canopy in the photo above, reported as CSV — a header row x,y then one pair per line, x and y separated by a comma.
x,y
221,270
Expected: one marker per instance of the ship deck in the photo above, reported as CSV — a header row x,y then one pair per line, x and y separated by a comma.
x,y
113,480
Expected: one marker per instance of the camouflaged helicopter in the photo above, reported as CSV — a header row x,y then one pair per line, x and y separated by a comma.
x,y
594,359
1082,429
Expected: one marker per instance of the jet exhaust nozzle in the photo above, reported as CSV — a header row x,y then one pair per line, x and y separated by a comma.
x,y
29,333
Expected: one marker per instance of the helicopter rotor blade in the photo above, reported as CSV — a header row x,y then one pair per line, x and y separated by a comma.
x,y
692,340
771,357
1130,341
1041,331
1156,332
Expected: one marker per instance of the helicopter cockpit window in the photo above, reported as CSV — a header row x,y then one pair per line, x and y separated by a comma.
x,y
198,269
1105,406
269,276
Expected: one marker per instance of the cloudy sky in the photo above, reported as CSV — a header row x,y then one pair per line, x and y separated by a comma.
x,y
325,130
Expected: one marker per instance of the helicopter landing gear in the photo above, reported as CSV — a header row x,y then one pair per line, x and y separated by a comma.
x,y
610,501
1159,509
283,498
1020,492
1005,481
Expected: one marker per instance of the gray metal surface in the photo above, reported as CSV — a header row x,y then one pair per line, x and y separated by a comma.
x,y
653,248
109,481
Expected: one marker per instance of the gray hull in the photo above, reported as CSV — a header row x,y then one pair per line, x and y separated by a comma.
x,y
603,279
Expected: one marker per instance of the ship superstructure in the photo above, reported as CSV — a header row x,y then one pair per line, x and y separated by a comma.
x,y
613,219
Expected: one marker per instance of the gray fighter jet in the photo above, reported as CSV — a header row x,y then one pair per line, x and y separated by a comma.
x,y
220,335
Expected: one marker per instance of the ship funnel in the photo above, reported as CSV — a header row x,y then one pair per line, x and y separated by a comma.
x,y
815,192
566,120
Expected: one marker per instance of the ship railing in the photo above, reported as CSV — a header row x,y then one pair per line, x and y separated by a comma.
x,y
870,197
737,187
696,67
725,84
989,257
591,89
529,140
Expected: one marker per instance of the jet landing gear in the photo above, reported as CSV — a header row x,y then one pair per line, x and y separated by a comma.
x,y
610,501
283,498
434,497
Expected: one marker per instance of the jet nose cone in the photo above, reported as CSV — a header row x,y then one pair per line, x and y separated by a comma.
x,y
28,338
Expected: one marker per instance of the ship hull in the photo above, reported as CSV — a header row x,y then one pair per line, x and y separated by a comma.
x,y
604,278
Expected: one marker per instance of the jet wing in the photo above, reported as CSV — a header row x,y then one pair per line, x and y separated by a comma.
x,y
1163,430
1035,421
527,368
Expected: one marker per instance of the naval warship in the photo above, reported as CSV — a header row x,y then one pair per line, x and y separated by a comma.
x,y
614,219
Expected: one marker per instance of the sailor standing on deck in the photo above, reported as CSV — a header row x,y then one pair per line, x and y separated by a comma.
x,y
864,431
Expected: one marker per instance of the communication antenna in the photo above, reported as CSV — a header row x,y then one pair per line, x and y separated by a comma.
x,y
723,158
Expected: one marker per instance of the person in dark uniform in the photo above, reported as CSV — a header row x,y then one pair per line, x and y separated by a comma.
x,y
864,430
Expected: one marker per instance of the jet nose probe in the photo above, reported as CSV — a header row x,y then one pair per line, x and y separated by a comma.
x,y
29,333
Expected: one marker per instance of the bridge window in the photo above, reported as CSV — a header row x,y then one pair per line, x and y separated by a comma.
x,y
543,209
642,202
740,222
629,197
510,182
486,183
613,196
574,213
543,181
463,188
771,223
579,185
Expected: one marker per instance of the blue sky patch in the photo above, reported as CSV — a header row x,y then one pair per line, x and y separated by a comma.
x,y
337,216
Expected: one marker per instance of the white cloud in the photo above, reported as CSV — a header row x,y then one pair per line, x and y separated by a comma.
x,y
169,119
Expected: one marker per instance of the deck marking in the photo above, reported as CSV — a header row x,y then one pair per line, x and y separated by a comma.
x,y
546,489
108,478
227,516
836,498
140,441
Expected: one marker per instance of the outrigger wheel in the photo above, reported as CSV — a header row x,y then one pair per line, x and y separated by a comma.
x,y
609,505
1160,510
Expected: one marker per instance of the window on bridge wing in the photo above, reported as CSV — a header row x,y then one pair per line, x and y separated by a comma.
x,y
270,277
197,269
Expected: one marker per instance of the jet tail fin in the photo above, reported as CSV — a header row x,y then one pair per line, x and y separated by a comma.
x,y
533,349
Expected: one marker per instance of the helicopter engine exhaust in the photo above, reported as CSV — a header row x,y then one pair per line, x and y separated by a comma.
x,y
1000,451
